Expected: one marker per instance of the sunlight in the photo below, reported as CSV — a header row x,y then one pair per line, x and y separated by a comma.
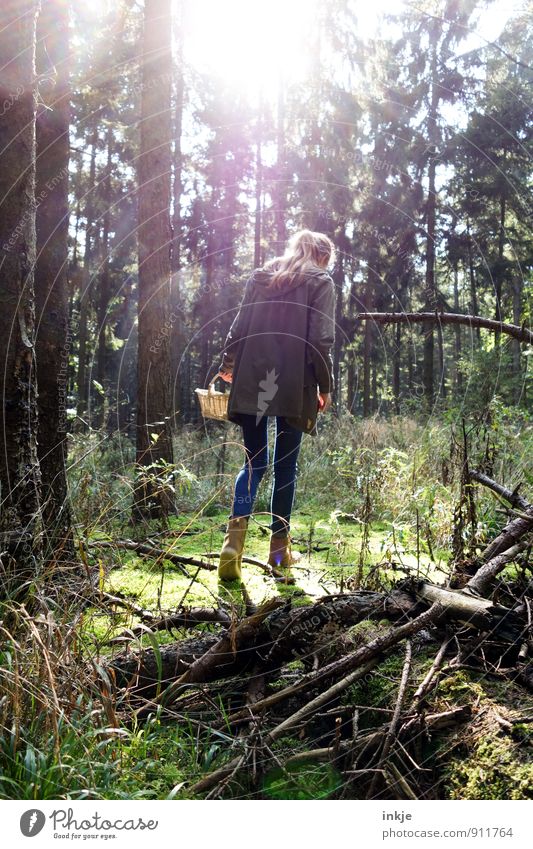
x,y
249,44
252,46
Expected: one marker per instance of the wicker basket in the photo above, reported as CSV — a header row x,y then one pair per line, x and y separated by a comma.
x,y
213,404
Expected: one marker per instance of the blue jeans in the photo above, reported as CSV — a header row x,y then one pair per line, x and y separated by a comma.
x,y
286,450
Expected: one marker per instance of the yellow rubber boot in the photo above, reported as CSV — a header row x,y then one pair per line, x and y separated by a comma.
x,y
281,557
229,567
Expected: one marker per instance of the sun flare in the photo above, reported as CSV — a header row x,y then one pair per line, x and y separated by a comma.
x,y
248,43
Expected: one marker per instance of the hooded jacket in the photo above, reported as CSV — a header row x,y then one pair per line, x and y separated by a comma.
x,y
279,348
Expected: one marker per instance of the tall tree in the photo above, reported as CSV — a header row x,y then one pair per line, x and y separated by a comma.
x,y
154,438
19,465
53,340
432,30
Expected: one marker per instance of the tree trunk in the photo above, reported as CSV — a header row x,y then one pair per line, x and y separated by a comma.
x,y
86,281
431,208
19,465
104,294
517,317
367,357
53,339
258,187
473,284
499,275
154,442
457,372
280,192
338,278
177,339
396,369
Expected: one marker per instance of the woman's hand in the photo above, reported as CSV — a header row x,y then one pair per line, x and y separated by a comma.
x,y
324,401
227,376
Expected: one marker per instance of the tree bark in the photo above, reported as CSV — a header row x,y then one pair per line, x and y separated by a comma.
x,y
178,331
280,192
472,277
86,281
104,293
19,465
457,373
258,185
53,338
431,209
154,443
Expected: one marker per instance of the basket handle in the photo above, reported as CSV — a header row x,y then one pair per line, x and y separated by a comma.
x,y
211,387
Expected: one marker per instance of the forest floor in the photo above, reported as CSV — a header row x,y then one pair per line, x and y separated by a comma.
x,y
487,758
73,729
331,554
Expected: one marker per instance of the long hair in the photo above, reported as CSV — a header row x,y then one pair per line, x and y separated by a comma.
x,y
305,251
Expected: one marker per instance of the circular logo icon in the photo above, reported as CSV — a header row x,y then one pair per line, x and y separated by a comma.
x,y
32,822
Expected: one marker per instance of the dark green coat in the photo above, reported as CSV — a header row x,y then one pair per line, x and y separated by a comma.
x,y
279,348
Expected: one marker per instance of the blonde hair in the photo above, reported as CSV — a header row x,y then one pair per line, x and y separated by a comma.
x,y
305,251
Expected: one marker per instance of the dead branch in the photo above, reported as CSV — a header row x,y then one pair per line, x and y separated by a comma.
x,y
285,634
432,722
521,333
391,731
424,686
356,664
481,582
458,605
184,618
235,641
154,553
511,534
511,496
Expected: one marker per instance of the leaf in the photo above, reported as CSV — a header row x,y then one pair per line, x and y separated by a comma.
x,y
175,790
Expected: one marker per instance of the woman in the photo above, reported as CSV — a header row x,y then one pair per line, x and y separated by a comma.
x,y
277,357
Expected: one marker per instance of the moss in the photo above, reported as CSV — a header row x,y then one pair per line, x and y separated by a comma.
x,y
485,759
494,769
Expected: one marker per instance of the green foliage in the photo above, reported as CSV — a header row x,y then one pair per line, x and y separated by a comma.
x,y
302,781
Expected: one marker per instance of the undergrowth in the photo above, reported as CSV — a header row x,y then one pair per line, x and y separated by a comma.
x,y
375,501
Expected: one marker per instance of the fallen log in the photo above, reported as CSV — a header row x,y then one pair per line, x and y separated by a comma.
x,y
238,641
482,580
459,605
139,672
510,535
285,634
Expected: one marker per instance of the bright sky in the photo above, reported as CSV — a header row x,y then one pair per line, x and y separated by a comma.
x,y
250,42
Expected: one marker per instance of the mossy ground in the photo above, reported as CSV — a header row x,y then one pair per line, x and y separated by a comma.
x,y
478,761
331,549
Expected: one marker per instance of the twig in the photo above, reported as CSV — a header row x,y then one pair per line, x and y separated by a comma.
x,y
423,688
395,717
